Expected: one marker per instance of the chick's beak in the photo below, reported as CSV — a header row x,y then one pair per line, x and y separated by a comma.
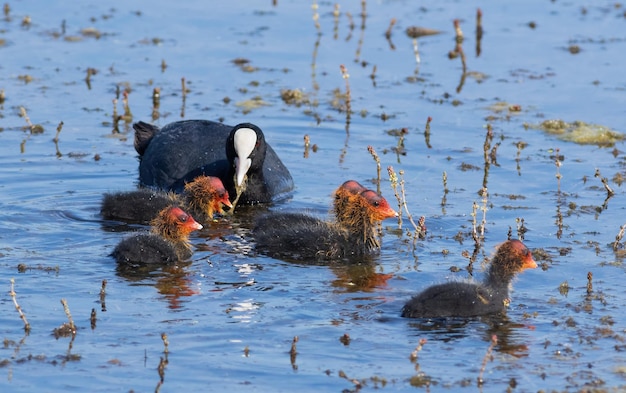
x,y
391,213
529,262
194,225
226,202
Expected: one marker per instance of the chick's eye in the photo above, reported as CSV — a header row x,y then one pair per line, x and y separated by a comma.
x,y
376,204
183,218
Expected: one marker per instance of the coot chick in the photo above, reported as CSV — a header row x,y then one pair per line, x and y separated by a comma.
x,y
363,228
468,299
202,197
139,206
342,195
205,196
175,154
300,236
166,243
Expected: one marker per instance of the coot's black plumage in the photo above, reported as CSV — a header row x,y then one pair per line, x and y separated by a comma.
x,y
180,151
469,299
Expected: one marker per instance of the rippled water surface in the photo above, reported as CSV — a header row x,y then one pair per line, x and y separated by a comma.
x,y
231,317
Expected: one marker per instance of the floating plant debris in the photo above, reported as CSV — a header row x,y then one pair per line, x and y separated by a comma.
x,y
579,132
253,103
417,32
294,97
502,106
91,32
245,65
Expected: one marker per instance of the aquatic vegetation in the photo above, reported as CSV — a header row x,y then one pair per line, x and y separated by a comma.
x,y
254,103
294,97
580,132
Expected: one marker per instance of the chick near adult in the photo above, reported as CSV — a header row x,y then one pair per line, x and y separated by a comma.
x,y
166,243
203,197
300,236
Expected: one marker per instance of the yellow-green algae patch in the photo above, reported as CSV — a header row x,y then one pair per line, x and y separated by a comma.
x,y
580,132
249,105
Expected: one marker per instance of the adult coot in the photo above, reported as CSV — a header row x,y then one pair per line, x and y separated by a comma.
x,y
166,243
177,153
202,197
467,299
300,236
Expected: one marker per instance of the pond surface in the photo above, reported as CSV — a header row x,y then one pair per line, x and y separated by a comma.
x,y
230,316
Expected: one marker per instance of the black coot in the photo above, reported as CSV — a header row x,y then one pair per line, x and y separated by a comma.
x,y
239,156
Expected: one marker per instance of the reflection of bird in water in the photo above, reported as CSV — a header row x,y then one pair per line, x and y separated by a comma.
x,y
465,299
360,277
175,284
444,330
510,335
172,281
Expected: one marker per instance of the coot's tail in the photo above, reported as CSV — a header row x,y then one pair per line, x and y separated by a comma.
x,y
143,135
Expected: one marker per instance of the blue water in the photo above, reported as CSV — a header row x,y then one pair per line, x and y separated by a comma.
x,y
230,315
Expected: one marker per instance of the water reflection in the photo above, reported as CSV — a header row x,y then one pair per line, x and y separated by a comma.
x,y
173,282
415,32
450,329
174,285
362,277
444,329
243,311
508,333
